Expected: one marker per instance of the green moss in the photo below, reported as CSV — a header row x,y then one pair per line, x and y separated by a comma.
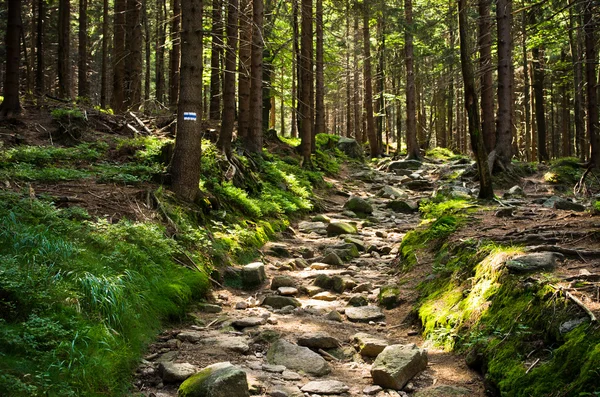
x,y
443,154
191,386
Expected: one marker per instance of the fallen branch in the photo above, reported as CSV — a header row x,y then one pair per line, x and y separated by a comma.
x,y
141,123
132,128
572,252
581,305
532,365
327,355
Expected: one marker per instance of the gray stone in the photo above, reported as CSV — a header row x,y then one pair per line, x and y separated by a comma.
x,y
253,275
217,380
340,284
389,296
350,147
567,205
325,296
308,227
404,165
319,266
236,344
538,261
363,287
312,290
297,358
504,212
349,214
282,281
358,300
175,372
397,364
421,184
401,206
290,375
167,357
391,192
570,325
300,263
248,322
279,250
332,259
360,245
208,308
364,313
321,218
276,369
345,251
325,387
372,390
190,336
334,315
368,345
287,291
285,391
278,302
318,340
515,191
323,281
338,228
444,391
358,205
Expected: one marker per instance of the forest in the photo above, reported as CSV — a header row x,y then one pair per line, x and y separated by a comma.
x,y
186,185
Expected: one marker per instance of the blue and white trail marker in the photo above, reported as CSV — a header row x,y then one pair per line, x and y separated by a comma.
x,y
189,116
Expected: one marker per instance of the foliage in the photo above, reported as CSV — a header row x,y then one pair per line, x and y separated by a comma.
x,y
564,171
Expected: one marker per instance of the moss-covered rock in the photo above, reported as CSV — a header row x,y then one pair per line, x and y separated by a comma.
x,y
389,296
338,228
217,380
358,205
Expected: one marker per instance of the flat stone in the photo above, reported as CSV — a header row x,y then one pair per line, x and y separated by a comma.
x,y
504,212
278,250
175,372
338,228
287,291
364,313
190,336
236,344
404,165
319,266
538,261
276,369
318,340
391,192
334,315
363,287
248,322
279,302
358,300
401,206
282,281
325,296
570,325
285,391
325,387
297,358
217,380
321,218
398,364
372,390
368,345
312,290
420,184
253,275
358,205
308,227
444,391
209,308
515,191
167,357
360,245
290,375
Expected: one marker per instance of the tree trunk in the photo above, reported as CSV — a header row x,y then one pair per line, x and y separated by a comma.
x,y
159,67
133,59
412,149
349,130
82,82
471,103
40,88
216,54
576,57
505,83
175,54
319,74
381,108
368,80
358,133
148,54
64,45
306,78
224,142
255,131
186,158
526,88
540,111
11,105
589,30
118,96
296,86
485,70
244,68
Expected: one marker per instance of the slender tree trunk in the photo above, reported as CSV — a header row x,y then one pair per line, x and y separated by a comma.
x,y
224,142
565,111
216,54
319,75
485,71
450,92
160,50
540,109
82,82
40,88
486,190
104,67
175,54
64,45
11,105
186,158
371,133
296,70
575,44
244,68
412,150
349,130
591,58
381,108
148,54
358,134
118,96
133,59
306,54
504,123
255,132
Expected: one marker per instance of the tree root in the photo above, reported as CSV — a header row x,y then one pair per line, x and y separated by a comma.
x,y
571,252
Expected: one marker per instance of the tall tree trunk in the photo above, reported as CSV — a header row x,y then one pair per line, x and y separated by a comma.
x,y
591,58
450,93
565,117
577,60
526,88
368,80
104,66
349,130
504,123
40,88
306,79
82,83
244,68
319,73
485,70
118,96
412,149
540,110
186,158
255,131
175,54
224,142
381,108
133,59
159,67
296,86
358,133
64,45
148,51
11,105
216,54
486,190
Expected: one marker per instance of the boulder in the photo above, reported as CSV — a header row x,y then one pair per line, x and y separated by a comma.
x,y
248,322
308,227
358,205
538,261
397,364
358,300
368,345
334,315
217,380
297,358
279,302
318,340
331,258
515,191
404,165
391,192
338,228
323,281
325,387
364,313
171,372
359,244
401,206
278,250
389,296
282,281
350,147
253,275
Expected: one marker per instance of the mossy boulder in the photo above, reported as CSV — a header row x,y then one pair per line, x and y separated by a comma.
x,y
253,275
539,261
338,228
404,165
217,380
278,302
398,364
323,281
350,147
358,205
389,296
404,207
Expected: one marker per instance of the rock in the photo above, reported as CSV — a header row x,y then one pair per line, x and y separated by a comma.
x,y
349,214
248,322
504,212
360,245
217,380
300,263
308,227
404,165
372,390
515,191
291,375
334,315
567,205
397,364
340,284
297,358
420,184
325,387
325,296
358,205
401,206
285,391
570,325
391,192
278,302
350,147
236,344
358,300
444,391
278,250
282,281
323,281
538,261
287,291
346,251
363,287
276,369
167,357
389,296
332,259
369,346
319,266
175,372
318,340
190,336
364,313
253,275
338,228
321,218
312,290
208,308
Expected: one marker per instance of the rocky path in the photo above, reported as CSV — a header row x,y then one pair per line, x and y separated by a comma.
x,y
323,312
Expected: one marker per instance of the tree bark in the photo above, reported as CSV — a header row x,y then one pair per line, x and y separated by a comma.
x,y
255,131
306,79
591,58
412,150
349,130
540,111
160,50
175,54
486,190
187,154
216,54
485,71
118,95
368,80
319,73
504,123
64,45
147,54
244,68
133,59
11,105
358,133
577,60
296,70
82,82
40,88
224,142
